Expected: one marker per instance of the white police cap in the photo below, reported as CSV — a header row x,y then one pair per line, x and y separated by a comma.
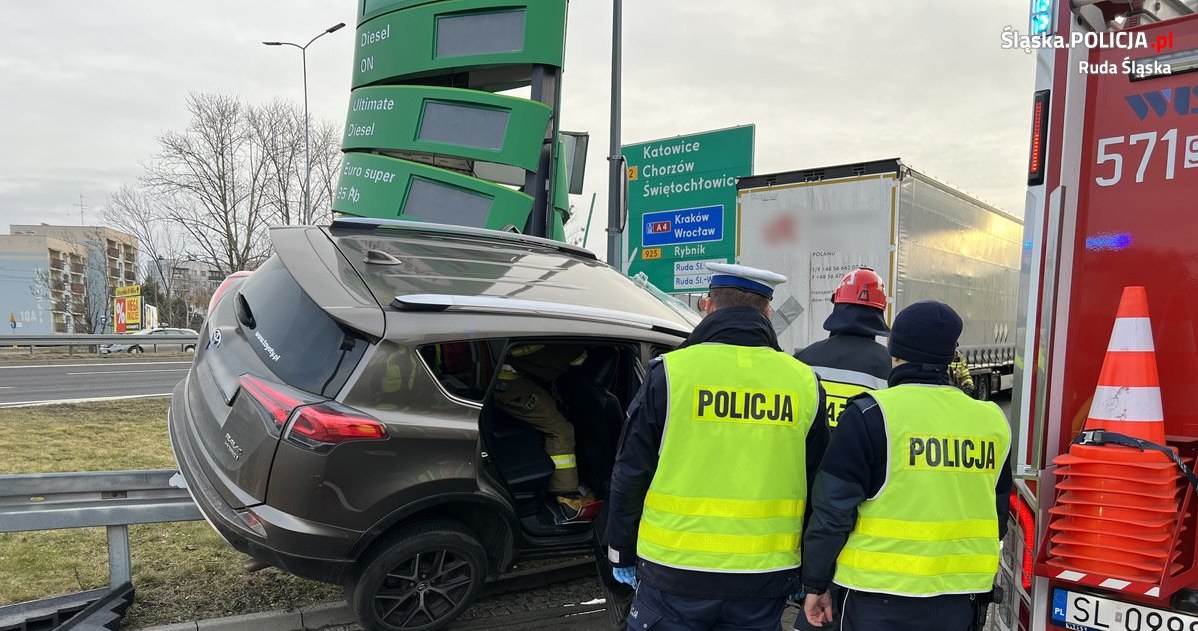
x,y
746,278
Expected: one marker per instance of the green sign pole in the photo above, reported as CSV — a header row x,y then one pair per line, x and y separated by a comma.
x,y
682,205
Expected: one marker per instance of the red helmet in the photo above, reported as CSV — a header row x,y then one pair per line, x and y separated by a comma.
x,y
861,287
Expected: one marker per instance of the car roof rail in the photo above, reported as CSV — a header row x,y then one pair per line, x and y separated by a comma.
x,y
517,306
370,224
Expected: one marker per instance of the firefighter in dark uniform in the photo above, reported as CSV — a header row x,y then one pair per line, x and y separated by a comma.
x,y
524,391
910,502
850,361
709,490
959,371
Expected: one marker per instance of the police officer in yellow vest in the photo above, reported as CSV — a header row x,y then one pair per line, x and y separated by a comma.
x,y
710,484
910,501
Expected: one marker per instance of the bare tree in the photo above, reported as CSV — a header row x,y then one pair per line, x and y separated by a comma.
x,y
236,170
214,177
326,169
144,214
52,288
278,128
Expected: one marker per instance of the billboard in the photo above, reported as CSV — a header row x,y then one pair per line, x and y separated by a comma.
x,y
126,309
682,205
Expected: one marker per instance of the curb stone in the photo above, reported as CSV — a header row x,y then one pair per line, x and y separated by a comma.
x,y
313,617
326,614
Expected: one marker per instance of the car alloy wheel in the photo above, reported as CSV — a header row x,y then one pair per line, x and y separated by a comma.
x,y
134,349
420,579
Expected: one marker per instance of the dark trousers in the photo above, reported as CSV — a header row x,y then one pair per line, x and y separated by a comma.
x,y
867,611
653,610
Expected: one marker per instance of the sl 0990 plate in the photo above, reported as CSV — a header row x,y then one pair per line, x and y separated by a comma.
x,y
1087,612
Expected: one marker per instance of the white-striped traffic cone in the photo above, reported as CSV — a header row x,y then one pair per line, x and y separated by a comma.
x,y
1111,494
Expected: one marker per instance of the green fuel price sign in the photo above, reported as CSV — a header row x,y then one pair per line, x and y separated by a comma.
x,y
464,123
388,188
454,35
497,168
682,205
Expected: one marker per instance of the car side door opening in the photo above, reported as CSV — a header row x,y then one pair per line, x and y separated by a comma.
x,y
591,392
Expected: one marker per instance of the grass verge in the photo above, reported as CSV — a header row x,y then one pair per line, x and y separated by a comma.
x,y
182,571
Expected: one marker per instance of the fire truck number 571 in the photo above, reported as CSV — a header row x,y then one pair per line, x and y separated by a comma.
x,y
1109,150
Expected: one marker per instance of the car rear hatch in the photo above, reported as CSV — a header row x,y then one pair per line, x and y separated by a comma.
x,y
289,335
423,267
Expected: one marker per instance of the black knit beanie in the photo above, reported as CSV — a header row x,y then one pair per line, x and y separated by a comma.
x,y
925,332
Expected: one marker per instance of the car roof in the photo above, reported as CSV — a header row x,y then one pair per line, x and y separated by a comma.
x,y
420,266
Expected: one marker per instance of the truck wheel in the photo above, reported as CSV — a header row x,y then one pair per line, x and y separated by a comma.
x,y
420,579
982,391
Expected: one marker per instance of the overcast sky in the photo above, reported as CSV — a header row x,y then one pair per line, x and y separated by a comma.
x,y
88,86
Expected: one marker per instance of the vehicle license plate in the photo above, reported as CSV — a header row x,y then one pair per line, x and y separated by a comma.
x,y
1087,612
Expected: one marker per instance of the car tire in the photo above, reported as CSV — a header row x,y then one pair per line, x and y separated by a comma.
x,y
419,579
189,349
982,388
134,349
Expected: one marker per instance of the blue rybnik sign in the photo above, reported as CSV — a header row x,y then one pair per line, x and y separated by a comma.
x,y
687,225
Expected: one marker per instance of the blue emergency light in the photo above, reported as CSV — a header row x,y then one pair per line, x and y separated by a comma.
x,y
1041,17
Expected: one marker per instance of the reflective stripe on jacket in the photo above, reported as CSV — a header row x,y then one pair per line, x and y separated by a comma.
x,y
731,484
932,528
840,385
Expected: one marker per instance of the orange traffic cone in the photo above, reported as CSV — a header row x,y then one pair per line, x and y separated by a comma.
x,y
1110,494
1128,397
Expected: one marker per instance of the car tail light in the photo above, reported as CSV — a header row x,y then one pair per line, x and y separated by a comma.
x,y
278,400
224,287
318,424
326,424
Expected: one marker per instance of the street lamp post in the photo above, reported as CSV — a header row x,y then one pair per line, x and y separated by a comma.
x,y
307,143
615,185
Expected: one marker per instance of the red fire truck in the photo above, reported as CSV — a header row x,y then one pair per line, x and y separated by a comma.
x,y
1113,180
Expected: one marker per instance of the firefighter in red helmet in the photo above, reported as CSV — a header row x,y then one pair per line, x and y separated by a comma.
x,y
861,286
851,361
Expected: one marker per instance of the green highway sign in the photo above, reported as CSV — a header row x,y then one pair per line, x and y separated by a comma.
x,y
682,205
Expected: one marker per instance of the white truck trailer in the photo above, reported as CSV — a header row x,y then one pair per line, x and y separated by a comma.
x,y
928,240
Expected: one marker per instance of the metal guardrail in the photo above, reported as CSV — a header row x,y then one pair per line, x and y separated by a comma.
x,y
73,340
113,499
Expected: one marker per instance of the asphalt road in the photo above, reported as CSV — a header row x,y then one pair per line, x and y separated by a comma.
x,y
35,382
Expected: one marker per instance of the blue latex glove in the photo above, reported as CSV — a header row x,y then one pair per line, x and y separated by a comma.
x,y
626,575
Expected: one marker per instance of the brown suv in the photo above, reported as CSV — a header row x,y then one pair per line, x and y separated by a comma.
x,y
338,420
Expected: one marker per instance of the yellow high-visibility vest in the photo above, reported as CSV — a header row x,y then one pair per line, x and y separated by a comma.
x,y
731,481
932,529
840,385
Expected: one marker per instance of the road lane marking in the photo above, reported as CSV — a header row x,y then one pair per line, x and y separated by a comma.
x,y
24,404
126,372
2,367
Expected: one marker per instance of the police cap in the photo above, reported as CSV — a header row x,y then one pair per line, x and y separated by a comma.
x,y
743,277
